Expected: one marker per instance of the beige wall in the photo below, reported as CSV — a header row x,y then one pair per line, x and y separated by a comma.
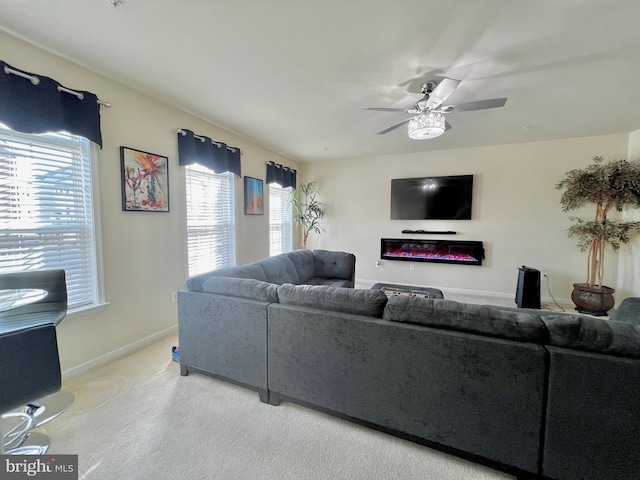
x,y
516,212
629,268
144,253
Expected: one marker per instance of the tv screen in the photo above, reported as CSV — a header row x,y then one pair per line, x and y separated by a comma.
x,y
432,198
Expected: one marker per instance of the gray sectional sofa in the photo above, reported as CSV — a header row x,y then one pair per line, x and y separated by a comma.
x,y
222,315
535,393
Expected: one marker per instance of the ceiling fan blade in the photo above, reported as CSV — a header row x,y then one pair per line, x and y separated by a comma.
x,y
447,126
387,130
387,109
480,105
442,91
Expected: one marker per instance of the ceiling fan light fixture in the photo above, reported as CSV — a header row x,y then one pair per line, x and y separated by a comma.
x,y
426,125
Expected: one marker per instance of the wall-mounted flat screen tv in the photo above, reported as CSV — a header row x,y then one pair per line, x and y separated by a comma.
x,y
432,198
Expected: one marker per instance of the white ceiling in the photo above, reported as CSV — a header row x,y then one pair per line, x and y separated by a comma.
x,y
296,75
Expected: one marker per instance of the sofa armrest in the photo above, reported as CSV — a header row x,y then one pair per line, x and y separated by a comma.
x,y
628,311
592,426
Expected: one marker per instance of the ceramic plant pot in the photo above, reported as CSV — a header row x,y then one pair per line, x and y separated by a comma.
x,y
592,299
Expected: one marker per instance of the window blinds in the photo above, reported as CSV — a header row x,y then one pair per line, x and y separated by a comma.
x,y
280,224
211,240
46,210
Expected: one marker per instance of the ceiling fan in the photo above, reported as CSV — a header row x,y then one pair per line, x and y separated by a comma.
x,y
429,111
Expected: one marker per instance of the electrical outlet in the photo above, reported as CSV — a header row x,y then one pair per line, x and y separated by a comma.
x,y
174,296
412,267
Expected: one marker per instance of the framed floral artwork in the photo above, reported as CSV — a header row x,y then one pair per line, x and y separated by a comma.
x,y
145,181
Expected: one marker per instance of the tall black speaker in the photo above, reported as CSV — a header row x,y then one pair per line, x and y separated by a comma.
x,y
528,289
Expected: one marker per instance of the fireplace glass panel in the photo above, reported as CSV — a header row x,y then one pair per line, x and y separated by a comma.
x,y
461,252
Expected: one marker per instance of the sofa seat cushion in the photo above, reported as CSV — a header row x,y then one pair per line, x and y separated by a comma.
x,y
345,300
242,287
464,317
582,332
330,282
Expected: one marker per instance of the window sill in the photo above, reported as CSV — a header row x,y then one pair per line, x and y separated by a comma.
x,y
85,311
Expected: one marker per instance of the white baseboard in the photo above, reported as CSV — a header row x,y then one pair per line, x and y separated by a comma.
x,y
117,353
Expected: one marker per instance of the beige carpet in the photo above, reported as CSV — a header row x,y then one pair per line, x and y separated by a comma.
x,y
137,418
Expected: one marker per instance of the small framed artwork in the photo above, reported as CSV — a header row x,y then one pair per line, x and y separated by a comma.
x,y
253,196
145,181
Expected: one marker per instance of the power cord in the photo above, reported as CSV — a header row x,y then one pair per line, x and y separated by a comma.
x,y
551,295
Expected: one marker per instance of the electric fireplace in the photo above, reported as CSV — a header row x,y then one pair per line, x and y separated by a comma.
x,y
461,252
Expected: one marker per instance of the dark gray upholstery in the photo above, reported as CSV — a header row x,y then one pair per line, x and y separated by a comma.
x,y
464,317
330,282
581,332
222,316
251,270
593,417
547,394
346,300
334,265
628,311
304,262
280,269
477,394
224,335
242,287
317,267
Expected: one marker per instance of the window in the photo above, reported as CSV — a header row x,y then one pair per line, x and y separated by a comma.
x,y
211,233
48,211
280,224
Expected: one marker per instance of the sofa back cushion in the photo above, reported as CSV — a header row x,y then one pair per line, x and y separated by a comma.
x,y
296,267
279,269
330,264
464,317
582,332
339,299
251,270
303,261
242,287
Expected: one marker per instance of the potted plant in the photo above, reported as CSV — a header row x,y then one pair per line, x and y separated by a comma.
x,y
606,186
308,210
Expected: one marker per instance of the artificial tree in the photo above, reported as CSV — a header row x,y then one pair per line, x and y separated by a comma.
x,y
607,186
308,210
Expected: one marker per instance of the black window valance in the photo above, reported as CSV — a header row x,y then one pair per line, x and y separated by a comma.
x,y
32,103
283,176
199,149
